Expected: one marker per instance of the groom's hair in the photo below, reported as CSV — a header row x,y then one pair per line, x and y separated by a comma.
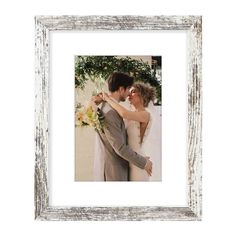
x,y
118,79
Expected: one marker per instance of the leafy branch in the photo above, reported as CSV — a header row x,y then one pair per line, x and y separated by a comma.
x,y
98,68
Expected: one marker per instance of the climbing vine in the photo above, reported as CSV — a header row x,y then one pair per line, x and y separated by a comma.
x,y
98,68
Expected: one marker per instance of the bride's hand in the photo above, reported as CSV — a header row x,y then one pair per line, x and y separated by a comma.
x,y
97,99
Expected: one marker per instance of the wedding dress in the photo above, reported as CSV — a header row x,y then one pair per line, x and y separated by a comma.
x,y
150,145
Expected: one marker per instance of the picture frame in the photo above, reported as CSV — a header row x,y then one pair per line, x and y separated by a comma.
x,y
193,25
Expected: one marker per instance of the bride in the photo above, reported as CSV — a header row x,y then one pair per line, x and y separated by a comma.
x,y
142,128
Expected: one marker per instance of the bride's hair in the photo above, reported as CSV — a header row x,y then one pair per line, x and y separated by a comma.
x,y
146,92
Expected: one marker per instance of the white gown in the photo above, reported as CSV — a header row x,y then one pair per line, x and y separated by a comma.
x,y
133,132
150,146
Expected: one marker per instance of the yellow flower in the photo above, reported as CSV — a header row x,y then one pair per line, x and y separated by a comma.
x,y
87,115
79,115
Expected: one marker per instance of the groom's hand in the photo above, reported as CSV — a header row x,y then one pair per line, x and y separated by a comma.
x,y
148,166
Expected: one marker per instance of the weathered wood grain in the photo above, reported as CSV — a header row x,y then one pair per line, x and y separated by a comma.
x,y
41,118
193,26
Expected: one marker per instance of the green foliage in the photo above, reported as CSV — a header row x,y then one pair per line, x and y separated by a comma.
x,y
98,68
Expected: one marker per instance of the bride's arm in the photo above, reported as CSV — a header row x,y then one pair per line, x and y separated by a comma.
x,y
141,116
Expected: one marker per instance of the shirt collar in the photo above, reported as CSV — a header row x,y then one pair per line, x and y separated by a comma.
x,y
114,100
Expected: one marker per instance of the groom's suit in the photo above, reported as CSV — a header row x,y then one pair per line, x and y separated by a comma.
x,y
117,154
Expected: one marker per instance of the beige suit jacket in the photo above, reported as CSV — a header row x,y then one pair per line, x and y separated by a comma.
x,y
117,154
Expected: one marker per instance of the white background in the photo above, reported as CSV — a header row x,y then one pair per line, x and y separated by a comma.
x,y
17,117
171,191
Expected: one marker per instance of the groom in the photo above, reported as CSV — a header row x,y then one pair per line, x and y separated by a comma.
x,y
113,141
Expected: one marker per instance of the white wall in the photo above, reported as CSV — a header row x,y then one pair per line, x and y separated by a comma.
x,y
17,105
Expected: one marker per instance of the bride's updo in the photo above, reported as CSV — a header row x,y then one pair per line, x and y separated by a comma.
x,y
146,92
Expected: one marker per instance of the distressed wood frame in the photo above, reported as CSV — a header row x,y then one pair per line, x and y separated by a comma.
x,y
193,26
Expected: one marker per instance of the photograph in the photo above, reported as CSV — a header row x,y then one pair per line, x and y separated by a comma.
x,y
112,117
129,93
118,118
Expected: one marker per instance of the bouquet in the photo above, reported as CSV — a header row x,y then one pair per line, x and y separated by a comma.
x,y
89,115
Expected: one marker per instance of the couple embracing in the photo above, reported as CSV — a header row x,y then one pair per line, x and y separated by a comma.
x,y
126,149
